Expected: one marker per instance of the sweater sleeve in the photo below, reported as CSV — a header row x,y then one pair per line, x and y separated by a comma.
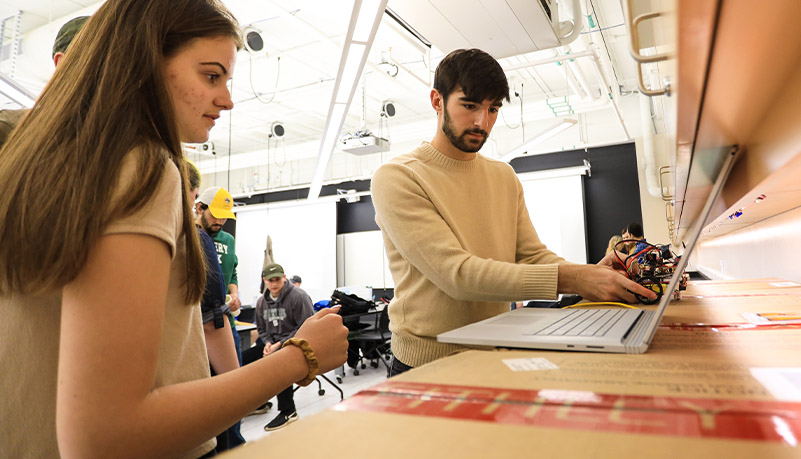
x,y
213,299
422,237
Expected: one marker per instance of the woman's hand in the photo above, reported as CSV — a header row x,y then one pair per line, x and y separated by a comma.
x,y
327,337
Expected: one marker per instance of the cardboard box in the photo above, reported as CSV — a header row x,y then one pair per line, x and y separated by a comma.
x,y
693,394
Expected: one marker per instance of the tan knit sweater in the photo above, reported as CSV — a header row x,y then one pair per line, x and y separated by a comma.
x,y
460,244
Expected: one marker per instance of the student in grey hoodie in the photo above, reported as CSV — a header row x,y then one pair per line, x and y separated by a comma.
x,y
279,314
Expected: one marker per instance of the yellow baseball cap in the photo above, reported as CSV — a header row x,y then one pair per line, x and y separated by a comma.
x,y
219,200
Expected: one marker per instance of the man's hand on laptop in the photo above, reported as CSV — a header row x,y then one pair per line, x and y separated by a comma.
x,y
599,283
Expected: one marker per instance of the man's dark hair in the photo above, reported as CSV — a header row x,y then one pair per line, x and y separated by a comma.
x,y
635,229
477,73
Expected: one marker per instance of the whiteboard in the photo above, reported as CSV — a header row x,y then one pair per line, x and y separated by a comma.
x,y
304,243
556,208
361,260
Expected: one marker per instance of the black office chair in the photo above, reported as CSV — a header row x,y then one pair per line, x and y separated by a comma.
x,y
374,343
320,390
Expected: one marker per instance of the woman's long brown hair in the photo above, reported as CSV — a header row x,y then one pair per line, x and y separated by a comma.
x,y
61,165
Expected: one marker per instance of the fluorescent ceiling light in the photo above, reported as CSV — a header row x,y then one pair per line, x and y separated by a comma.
x,y
366,20
335,120
352,67
363,24
15,92
539,138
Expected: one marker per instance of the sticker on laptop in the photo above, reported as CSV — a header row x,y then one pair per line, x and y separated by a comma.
x,y
532,364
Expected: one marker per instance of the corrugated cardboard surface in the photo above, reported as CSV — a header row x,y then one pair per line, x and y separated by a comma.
x,y
701,356
334,434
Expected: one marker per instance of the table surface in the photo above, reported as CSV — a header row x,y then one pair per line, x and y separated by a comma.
x,y
695,393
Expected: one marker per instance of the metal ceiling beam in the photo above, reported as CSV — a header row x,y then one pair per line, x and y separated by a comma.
x,y
357,46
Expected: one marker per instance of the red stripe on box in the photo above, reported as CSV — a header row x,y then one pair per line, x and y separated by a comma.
x,y
731,326
577,410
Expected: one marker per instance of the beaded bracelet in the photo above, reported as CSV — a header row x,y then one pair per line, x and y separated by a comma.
x,y
311,360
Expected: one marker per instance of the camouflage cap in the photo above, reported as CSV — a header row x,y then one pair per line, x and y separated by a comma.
x,y
67,33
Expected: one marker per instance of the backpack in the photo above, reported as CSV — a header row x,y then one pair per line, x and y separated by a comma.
x,y
351,304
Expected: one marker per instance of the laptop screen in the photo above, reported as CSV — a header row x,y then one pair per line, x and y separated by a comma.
x,y
694,232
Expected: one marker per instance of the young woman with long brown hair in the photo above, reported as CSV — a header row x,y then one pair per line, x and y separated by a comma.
x,y
101,344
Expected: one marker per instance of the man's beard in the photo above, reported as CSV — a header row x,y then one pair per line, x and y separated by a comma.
x,y
460,142
207,226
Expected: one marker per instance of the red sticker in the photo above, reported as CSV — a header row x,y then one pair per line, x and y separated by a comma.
x,y
688,417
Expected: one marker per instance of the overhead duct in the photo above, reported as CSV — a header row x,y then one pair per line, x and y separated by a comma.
x,y
508,27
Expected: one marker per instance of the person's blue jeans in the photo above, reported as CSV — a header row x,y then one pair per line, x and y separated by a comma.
x,y
237,341
232,437
397,367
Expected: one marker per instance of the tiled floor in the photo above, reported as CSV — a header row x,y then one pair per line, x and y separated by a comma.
x,y
308,402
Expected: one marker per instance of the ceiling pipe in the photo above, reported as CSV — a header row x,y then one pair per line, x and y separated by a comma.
x,y
549,60
648,147
598,73
607,88
582,80
577,23
567,73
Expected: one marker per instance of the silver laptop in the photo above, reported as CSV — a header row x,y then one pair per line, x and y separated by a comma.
x,y
596,330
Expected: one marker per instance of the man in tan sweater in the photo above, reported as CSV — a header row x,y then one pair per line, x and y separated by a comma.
x,y
459,239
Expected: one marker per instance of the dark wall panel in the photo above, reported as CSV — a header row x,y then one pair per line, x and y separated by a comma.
x,y
353,217
611,195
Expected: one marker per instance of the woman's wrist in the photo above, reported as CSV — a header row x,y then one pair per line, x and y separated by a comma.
x,y
293,359
312,364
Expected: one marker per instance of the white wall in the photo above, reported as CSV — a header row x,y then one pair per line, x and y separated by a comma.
x,y
556,208
757,251
304,243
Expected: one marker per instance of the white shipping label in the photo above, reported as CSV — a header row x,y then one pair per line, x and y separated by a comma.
x,y
532,364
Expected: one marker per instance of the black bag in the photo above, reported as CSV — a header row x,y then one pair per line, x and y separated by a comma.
x,y
351,304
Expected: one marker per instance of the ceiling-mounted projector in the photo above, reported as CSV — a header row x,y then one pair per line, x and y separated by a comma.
x,y
363,143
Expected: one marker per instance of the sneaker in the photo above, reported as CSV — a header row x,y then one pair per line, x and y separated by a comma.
x,y
281,421
262,409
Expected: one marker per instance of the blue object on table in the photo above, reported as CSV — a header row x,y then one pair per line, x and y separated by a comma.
x,y
321,305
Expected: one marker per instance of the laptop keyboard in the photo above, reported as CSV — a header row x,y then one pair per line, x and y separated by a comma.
x,y
584,322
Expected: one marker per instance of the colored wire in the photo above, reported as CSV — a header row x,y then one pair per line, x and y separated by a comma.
x,y
636,255
626,263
